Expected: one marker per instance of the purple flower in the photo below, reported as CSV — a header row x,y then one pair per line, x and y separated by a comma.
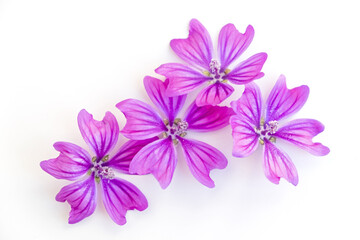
x,y
251,126
197,51
74,162
160,156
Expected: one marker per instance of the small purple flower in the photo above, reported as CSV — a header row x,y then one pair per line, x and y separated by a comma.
x,y
74,163
252,126
160,156
203,66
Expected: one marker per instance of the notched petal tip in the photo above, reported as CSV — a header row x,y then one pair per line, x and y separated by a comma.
x,y
119,196
277,164
301,132
197,48
142,121
101,136
81,196
45,166
72,162
232,43
283,102
201,158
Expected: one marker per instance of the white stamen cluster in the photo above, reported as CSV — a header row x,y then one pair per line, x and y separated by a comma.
x,y
178,128
102,172
215,73
214,66
266,130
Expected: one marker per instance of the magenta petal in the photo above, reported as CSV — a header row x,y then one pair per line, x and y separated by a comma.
x,y
201,159
232,43
277,164
197,49
283,102
81,196
249,106
214,94
72,163
207,118
156,89
245,139
182,79
248,70
158,158
101,136
142,122
121,160
300,132
119,196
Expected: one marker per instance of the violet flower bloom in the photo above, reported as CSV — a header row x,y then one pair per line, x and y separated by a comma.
x,y
160,156
251,127
203,66
74,162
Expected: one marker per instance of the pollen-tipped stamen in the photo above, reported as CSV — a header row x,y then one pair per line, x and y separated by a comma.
x,y
227,71
105,159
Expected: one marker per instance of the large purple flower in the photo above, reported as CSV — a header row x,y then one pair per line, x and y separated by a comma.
x,y
74,163
251,126
160,156
197,51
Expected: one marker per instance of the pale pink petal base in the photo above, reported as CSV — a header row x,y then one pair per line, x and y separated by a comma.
x,y
245,140
214,94
158,158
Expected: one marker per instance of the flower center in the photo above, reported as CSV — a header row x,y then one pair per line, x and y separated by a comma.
x,y
266,131
215,72
178,128
215,68
101,172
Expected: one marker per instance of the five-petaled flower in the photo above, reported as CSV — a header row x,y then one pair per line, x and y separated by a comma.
x,y
197,51
73,163
160,156
251,127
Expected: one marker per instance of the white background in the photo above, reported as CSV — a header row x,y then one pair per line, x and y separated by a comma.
x,y
57,57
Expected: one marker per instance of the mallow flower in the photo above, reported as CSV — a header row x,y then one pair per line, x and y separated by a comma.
x,y
204,66
160,156
90,169
254,124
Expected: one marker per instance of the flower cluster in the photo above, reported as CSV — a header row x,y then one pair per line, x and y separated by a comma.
x,y
157,134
